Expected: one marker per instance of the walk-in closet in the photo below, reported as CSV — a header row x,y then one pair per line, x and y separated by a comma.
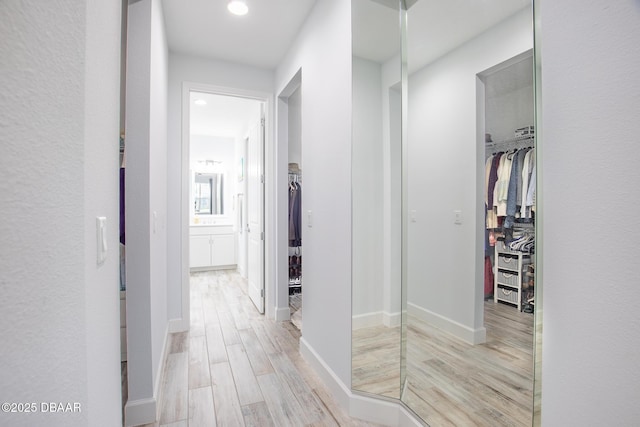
x,y
510,183
434,246
294,212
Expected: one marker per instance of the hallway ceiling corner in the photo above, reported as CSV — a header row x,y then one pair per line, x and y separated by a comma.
x,y
204,28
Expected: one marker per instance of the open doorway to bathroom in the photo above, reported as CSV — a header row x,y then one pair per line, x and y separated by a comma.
x,y
225,188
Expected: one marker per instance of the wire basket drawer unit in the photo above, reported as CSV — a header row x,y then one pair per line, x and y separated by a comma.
x,y
508,278
508,262
508,295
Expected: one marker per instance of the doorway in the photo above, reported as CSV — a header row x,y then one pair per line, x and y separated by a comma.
x,y
223,187
290,200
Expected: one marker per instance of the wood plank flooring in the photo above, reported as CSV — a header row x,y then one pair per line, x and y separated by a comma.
x,y
450,382
237,368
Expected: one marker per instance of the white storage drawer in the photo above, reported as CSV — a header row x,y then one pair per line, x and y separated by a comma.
x,y
508,261
508,278
508,295
509,274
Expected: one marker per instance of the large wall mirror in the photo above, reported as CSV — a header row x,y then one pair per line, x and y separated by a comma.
x,y
444,215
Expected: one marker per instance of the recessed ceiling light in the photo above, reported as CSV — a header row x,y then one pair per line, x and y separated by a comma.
x,y
238,7
200,101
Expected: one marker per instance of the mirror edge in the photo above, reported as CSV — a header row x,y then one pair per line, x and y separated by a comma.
x,y
539,233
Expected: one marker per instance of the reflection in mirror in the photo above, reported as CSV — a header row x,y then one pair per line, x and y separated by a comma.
x,y
469,238
460,209
376,199
208,194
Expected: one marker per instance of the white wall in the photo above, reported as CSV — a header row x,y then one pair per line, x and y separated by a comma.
x,y
146,207
158,185
59,120
509,99
443,270
323,51
590,104
367,193
183,68
295,127
392,188
101,195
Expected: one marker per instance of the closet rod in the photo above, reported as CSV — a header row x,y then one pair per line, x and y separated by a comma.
x,y
517,139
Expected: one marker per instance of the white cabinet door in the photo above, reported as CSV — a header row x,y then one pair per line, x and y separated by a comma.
x,y
200,251
223,250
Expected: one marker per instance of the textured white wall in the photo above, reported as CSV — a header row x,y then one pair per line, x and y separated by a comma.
x,y
590,105
367,188
323,51
183,68
60,320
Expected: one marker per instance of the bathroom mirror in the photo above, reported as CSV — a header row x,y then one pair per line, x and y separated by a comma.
x,y
443,301
208,194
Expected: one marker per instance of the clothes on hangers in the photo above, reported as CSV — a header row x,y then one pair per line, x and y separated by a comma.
x,y
295,214
527,171
491,177
509,187
524,243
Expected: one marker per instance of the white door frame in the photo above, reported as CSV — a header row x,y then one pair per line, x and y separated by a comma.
x,y
280,290
267,99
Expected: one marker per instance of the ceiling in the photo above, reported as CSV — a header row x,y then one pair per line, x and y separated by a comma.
x,y
434,27
222,116
205,28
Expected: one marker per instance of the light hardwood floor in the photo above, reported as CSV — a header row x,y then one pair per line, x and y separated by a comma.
x,y
237,368
450,382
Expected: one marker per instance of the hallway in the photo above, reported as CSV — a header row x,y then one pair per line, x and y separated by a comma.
x,y
237,368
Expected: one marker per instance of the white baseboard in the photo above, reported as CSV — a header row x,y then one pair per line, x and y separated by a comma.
x,y
367,320
159,379
147,410
391,320
358,406
376,318
178,325
139,412
282,314
469,335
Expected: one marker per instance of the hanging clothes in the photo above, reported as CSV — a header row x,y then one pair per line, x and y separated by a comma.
x,y
295,214
527,169
488,277
512,197
491,178
510,188
502,186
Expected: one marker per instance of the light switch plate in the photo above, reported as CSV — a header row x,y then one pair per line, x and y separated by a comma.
x,y
101,239
457,217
